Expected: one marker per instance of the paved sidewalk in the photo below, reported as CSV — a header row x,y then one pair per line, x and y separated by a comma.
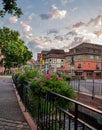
x,y
11,117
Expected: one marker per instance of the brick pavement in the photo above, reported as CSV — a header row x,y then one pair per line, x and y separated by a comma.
x,y
11,116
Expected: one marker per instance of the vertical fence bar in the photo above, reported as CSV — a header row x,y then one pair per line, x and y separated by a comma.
x,y
56,119
69,119
52,114
93,93
39,107
101,88
76,116
47,111
49,115
78,85
64,121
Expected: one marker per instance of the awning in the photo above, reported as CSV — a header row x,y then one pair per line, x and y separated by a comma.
x,y
97,71
78,70
68,71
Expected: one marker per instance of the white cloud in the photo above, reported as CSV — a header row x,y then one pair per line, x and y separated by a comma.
x,y
28,36
96,21
98,33
68,37
13,19
31,16
78,25
54,13
25,27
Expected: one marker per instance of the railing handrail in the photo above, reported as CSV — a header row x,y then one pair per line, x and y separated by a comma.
x,y
77,102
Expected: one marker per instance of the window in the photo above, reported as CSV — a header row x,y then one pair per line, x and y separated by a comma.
x,y
89,74
69,66
84,58
91,57
97,66
97,57
62,66
96,51
72,60
91,50
89,65
79,57
98,74
79,65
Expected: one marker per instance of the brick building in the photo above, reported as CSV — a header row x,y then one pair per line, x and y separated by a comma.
x,y
85,60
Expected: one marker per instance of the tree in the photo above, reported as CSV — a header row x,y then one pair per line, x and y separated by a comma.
x,y
13,48
10,7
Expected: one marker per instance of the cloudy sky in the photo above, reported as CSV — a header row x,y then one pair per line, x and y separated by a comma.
x,y
47,24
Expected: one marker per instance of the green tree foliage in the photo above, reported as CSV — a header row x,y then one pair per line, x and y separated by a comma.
x,y
10,7
13,48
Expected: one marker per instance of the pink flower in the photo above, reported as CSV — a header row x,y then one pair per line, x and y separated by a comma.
x,y
48,76
36,79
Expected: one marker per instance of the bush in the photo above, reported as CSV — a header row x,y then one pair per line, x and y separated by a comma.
x,y
58,85
39,84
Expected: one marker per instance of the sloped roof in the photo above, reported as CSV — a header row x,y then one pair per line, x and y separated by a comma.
x,y
56,51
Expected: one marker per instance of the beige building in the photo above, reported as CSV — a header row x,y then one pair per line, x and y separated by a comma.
x,y
53,60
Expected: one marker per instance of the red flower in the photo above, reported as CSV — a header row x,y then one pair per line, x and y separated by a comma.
x,y
42,84
53,112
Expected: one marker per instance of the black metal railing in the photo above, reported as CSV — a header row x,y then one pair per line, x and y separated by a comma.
x,y
56,112
53,116
92,86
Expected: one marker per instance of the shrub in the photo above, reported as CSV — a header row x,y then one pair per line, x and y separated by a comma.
x,y
39,84
58,85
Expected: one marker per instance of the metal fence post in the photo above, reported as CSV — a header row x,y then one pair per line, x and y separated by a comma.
x,y
78,85
76,116
93,91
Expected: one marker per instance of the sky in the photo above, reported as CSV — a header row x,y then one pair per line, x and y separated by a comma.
x,y
57,24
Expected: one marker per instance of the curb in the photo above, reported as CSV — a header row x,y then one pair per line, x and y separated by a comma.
x,y
27,116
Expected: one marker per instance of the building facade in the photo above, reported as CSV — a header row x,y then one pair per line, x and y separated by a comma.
x,y
53,60
85,60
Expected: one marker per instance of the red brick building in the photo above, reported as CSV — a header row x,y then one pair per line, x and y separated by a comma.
x,y
85,60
